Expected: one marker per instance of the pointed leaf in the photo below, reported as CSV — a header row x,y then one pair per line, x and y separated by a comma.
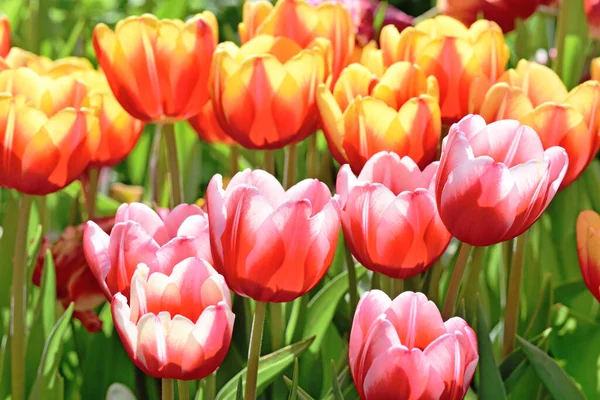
x,y
337,392
294,389
302,395
491,386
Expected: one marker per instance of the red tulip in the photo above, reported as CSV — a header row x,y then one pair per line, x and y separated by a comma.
x,y
390,217
271,245
402,349
74,280
588,249
592,11
178,322
4,36
141,236
494,181
207,127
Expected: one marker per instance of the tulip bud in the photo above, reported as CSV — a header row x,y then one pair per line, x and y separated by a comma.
x,y
588,249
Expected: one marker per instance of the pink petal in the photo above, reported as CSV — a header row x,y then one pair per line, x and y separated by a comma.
x,y
177,332
417,320
189,275
559,163
152,343
178,216
126,329
429,175
217,213
266,184
470,125
395,173
402,373
175,251
345,182
457,151
313,190
197,227
95,248
146,218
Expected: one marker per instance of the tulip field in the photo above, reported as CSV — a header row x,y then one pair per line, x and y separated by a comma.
x,y
299,199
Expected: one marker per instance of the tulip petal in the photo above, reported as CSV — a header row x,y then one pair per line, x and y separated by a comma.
x,y
505,102
178,215
95,247
147,218
588,250
266,183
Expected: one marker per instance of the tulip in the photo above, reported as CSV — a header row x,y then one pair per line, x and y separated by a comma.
x,y
141,236
592,11
263,93
588,247
18,57
74,280
503,12
158,69
269,244
207,127
4,36
494,181
303,23
364,115
178,322
403,349
595,69
460,58
40,154
389,215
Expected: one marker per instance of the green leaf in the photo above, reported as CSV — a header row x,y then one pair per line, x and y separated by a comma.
x,y
239,394
43,321
294,389
491,386
48,380
269,367
556,380
302,395
337,392
540,320
571,42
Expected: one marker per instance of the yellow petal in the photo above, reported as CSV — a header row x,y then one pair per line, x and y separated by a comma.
x,y
505,102
421,119
332,122
355,80
399,83
489,46
539,82
442,26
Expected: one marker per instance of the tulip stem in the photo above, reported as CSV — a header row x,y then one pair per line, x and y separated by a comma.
x,y
433,291
234,156
352,284
174,174
91,191
511,313
455,280
396,287
289,170
472,285
258,324
19,301
211,386
269,161
277,325
311,156
184,391
167,389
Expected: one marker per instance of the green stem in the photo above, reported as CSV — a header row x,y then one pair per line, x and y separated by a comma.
x,y
455,280
153,163
269,161
472,285
396,287
352,284
311,156
184,390
298,306
511,313
258,325
211,386
19,302
289,170
173,163
277,325
433,292
42,206
91,191
167,389
234,156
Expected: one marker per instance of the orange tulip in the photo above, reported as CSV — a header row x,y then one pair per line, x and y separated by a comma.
x,y
303,22
365,115
458,57
207,127
595,69
533,94
18,57
158,69
263,93
588,249
4,36
41,154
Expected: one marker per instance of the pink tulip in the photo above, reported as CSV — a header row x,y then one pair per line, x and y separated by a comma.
x,y
402,349
271,245
141,236
390,217
494,181
178,322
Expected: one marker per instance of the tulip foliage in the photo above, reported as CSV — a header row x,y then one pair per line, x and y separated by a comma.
x,y
299,199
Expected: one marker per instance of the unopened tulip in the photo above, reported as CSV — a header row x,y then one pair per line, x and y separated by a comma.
x,y
269,244
364,114
141,236
402,349
503,12
74,279
494,181
389,215
158,69
207,127
4,36
41,154
178,323
302,22
263,93
588,249
458,57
